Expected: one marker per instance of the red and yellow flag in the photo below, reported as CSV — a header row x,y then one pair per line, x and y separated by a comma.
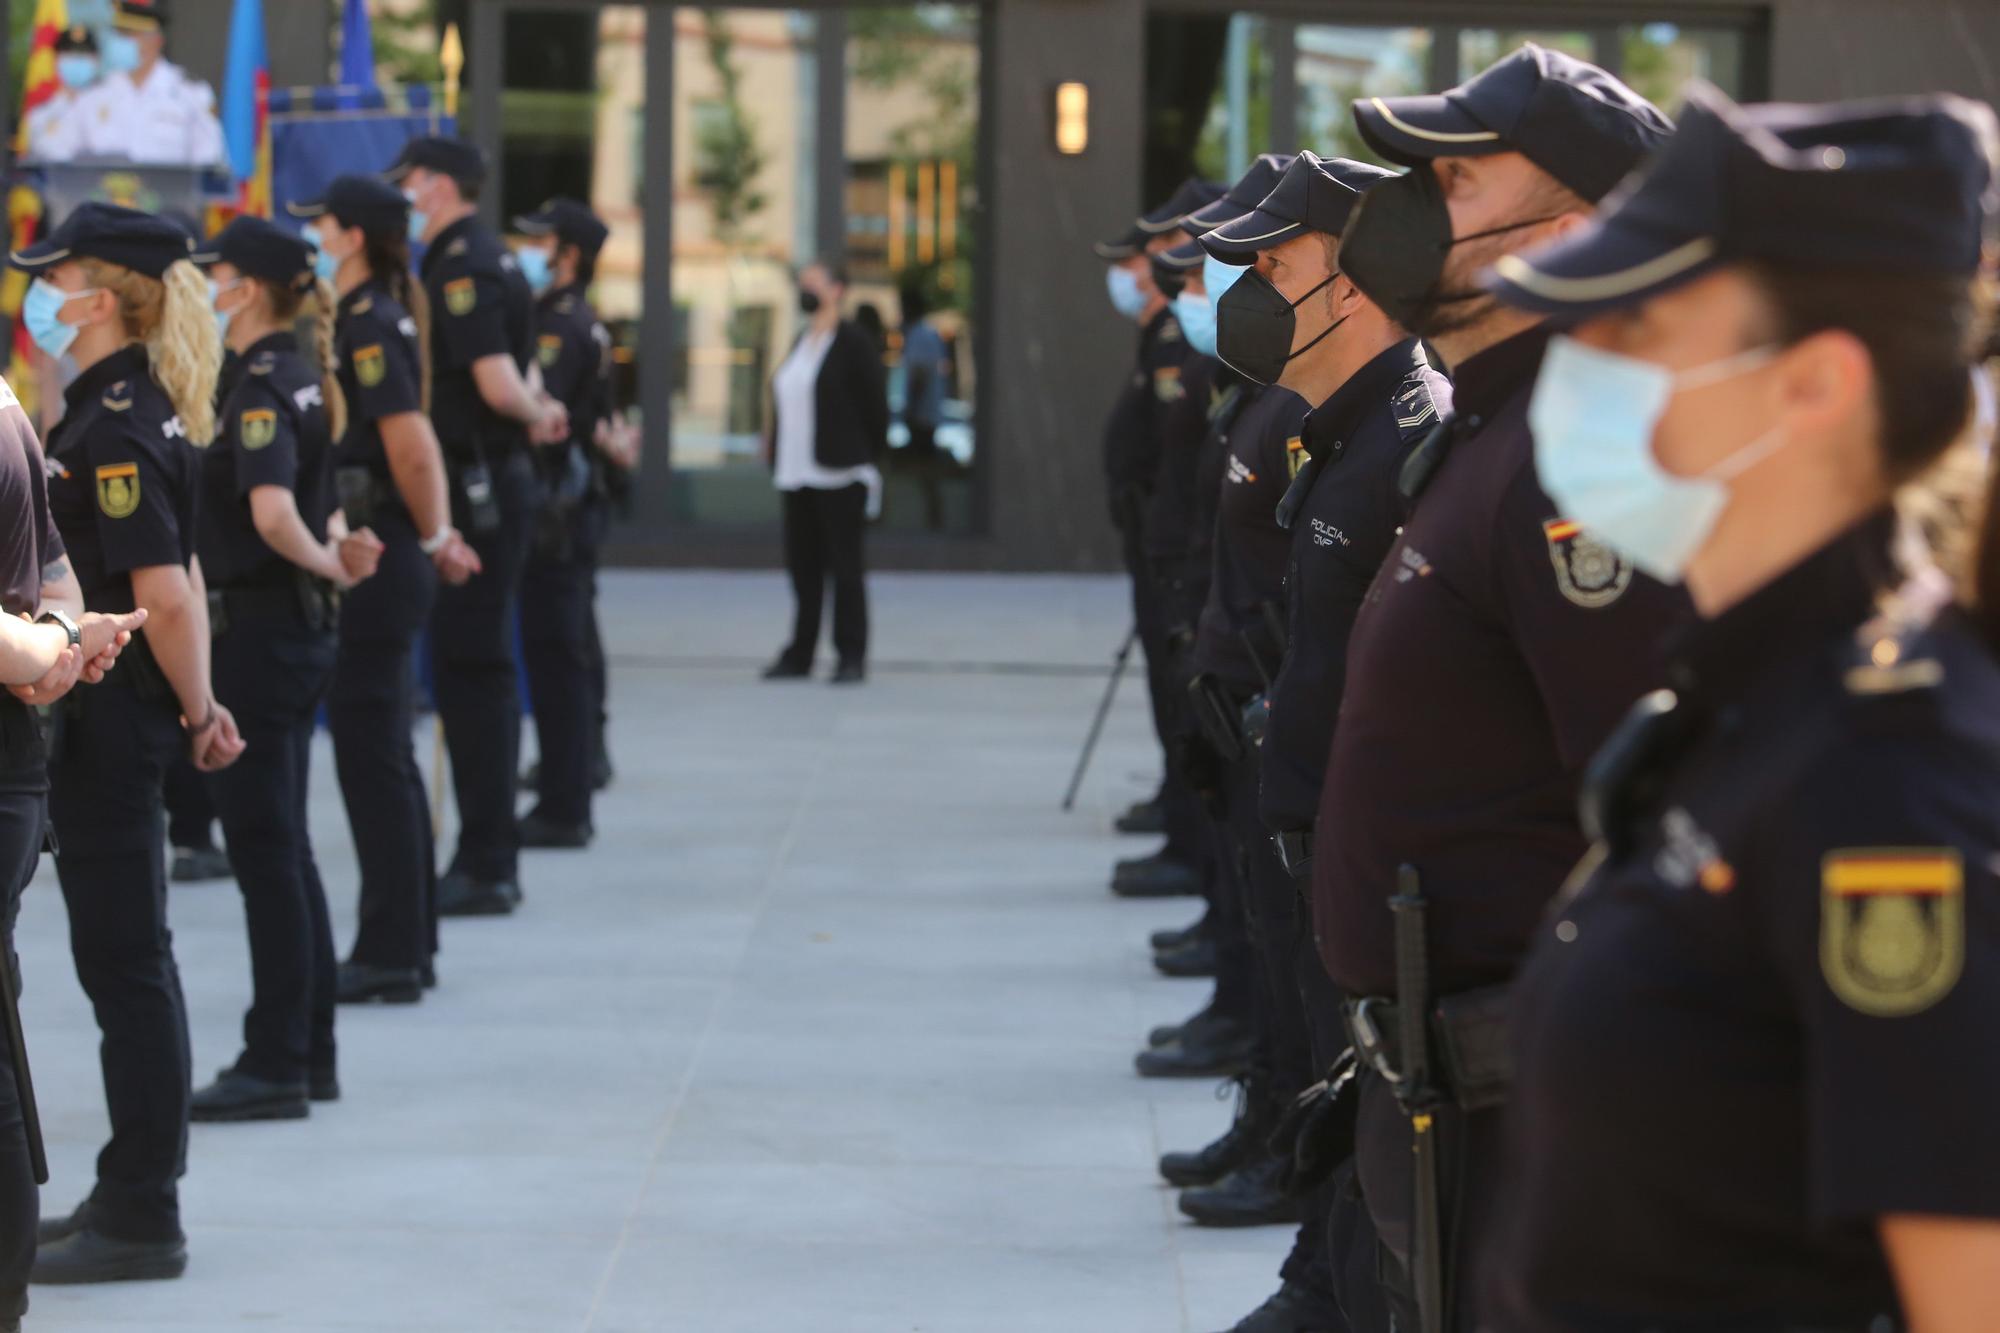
x,y
38,82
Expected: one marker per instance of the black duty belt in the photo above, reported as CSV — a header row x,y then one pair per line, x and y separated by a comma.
x,y
1295,851
301,597
1469,1033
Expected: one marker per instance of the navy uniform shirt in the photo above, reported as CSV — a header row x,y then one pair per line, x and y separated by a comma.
x,y
1345,518
1170,540
376,361
1133,432
1767,1018
271,430
1233,640
480,307
573,348
122,479
1495,650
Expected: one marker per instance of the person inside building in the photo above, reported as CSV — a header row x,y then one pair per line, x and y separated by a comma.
x,y
573,350
275,553
116,289
1756,1068
146,108
829,429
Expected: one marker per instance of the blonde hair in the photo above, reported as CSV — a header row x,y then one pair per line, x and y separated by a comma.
x,y
172,317
315,301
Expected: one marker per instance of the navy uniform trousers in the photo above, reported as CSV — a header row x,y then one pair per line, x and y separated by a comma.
x,y
478,692
271,671
21,816
106,801
371,709
565,665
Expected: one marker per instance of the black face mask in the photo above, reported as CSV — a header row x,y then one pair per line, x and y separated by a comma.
x,y
1395,245
1255,325
809,302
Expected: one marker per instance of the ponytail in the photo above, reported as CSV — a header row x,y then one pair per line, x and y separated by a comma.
x,y
313,298
172,316
389,259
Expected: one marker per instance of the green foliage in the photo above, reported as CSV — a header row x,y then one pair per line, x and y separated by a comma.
x,y
406,43
731,156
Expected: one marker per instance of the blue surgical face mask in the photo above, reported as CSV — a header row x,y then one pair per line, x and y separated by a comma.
x,y
420,221
76,70
325,266
1593,415
535,268
1219,277
1126,298
40,311
1196,316
120,51
222,317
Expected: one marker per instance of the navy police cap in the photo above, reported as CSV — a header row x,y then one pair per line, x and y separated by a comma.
x,y
1246,194
1899,185
1191,195
142,242
76,38
1315,194
570,222
258,248
1565,115
140,15
367,202
461,161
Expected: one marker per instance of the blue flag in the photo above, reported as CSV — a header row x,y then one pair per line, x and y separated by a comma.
x,y
357,45
248,73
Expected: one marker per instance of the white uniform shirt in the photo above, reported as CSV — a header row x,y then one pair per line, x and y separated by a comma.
x,y
55,128
795,389
168,119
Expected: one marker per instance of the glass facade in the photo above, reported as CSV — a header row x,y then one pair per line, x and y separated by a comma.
x,y
1337,64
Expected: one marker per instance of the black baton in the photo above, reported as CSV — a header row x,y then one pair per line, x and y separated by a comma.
x,y
1097,723
24,1082
1418,1098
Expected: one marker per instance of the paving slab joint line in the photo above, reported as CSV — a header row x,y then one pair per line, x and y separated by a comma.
x,y
780,856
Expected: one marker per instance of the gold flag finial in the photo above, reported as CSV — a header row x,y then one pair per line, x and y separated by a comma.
x,y
452,57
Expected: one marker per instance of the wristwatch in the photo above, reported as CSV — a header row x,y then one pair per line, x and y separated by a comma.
x,y
68,626
436,542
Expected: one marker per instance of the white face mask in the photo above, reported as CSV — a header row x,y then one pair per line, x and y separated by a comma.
x,y
1593,415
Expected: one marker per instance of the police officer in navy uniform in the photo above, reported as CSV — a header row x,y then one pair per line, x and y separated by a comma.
x,y
115,289
1756,1077
1307,518
389,473
271,545
486,412
43,661
558,642
1496,648
1132,441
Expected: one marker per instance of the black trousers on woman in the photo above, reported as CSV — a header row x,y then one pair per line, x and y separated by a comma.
x,y
271,671
823,541
106,801
371,708
21,817
563,659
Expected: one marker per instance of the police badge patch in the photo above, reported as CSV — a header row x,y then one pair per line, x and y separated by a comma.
x,y
1167,386
1588,572
369,367
259,427
118,489
549,349
1892,927
1295,456
460,296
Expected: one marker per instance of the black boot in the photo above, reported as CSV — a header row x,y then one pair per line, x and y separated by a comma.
x,y
53,1229
1294,1309
199,865
362,983
1143,817
1219,1052
1158,876
459,894
1243,1141
1247,1197
91,1256
787,667
236,1095
1204,1023
538,830
1164,940
1198,959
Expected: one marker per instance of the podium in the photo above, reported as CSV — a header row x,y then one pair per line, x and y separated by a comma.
x,y
181,193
